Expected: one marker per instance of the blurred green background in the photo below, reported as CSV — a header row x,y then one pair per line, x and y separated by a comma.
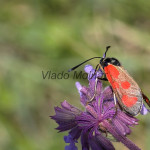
x,y
55,35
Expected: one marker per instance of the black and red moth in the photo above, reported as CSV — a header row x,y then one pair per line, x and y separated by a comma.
x,y
127,91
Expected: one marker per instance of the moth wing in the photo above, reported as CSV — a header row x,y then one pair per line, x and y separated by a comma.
x,y
127,91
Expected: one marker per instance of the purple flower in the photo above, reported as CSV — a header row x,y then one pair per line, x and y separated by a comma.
x,y
69,139
99,123
144,110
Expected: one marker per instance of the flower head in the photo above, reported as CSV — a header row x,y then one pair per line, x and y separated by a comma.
x,y
100,121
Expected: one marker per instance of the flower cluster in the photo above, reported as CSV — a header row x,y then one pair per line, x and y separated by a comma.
x,y
101,121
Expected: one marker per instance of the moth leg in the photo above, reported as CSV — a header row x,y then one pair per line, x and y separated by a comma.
x,y
96,68
115,101
94,92
146,99
104,79
100,66
96,80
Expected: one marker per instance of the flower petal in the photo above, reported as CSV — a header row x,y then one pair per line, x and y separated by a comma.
x,y
75,133
144,110
84,96
79,87
70,108
65,116
99,142
126,119
92,75
121,127
99,74
88,69
119,136
84,141
108,93
69,139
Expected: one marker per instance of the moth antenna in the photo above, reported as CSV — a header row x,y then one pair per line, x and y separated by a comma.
x,y
106,51
81,64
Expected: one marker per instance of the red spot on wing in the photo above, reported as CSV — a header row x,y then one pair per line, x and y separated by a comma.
x,y
129,101
109,78
125,84
112,70
115,85
112,73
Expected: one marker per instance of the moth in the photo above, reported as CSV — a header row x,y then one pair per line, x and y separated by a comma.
x,y
128,93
